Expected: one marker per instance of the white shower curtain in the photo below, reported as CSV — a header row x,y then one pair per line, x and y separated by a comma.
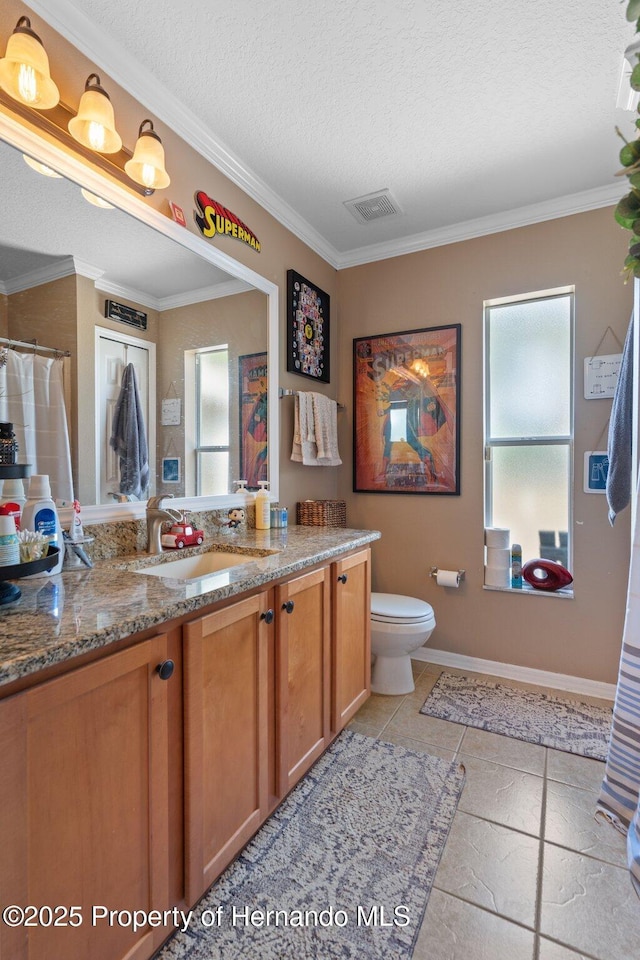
x,y
32,398
619,797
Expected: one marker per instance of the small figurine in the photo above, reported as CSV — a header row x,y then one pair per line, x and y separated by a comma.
x,y
236,516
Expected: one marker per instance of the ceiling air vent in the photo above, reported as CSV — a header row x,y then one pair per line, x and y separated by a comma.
x,y
373,206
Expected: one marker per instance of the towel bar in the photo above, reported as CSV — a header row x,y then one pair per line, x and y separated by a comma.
x,y
292,393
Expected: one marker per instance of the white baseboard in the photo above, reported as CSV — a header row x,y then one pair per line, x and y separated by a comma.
x,y
510,671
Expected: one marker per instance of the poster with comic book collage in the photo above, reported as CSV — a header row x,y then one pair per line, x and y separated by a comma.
x,y
307,328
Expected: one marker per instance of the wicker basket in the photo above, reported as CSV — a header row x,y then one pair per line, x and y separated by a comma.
x,y
322,513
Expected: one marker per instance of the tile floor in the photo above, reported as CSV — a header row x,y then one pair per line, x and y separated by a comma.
x,y
527,872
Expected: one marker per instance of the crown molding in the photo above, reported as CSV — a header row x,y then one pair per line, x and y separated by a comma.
x,y
483,226
35,278
227,289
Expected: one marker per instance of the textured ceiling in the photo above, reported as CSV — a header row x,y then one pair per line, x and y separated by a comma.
x,y
463,110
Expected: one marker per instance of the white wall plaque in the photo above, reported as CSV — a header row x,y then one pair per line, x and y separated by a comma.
x,y
171,411
601,376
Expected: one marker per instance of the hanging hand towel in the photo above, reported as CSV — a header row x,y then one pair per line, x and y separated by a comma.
x,y
325,419
304,449
618,487
129,438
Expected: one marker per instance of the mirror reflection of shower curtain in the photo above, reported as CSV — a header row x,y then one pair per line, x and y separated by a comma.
x,y
32,398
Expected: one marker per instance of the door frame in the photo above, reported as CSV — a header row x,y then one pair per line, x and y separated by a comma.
x,y
150,346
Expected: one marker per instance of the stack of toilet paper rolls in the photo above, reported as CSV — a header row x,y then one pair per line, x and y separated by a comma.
x,y
497,569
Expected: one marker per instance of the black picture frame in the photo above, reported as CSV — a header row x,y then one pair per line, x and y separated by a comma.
x,y
308,329
406,398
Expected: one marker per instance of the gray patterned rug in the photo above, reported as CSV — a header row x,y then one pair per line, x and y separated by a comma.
x,y
341,871
564,724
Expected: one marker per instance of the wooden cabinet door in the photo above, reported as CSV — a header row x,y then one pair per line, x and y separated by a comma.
x,y
83,795
303,657
226,673
351,649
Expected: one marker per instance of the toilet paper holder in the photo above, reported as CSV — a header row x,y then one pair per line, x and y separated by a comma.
x,y
434,573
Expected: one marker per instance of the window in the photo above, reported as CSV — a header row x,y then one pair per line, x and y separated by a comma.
x,y
529,421
212,421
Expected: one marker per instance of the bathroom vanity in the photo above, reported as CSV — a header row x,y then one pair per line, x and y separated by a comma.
x,y
150,725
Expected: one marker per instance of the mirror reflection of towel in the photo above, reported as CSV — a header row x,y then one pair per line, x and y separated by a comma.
x,y
129,437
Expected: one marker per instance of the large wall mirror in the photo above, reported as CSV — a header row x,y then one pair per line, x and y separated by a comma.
x,y
199,330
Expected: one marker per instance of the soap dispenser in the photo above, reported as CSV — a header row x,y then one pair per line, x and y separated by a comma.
x,y
263,506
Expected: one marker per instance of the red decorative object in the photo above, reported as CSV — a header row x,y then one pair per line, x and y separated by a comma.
x,y
546,575
182,535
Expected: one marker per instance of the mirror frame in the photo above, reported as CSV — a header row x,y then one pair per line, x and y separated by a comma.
x,y
27,140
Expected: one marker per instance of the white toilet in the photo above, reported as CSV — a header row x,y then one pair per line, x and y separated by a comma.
x,y
399,625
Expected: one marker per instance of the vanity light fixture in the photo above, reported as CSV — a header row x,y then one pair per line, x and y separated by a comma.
x,y
94,199
25,84
40,167
24,70
146,166
94,126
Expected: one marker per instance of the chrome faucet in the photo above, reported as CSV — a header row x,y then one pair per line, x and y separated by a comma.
x,y
156,515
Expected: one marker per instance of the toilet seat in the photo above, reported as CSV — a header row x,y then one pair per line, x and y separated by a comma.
x,y
393,608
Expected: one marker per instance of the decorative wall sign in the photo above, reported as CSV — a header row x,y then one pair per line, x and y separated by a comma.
x,y
307,328
171,469
213,220
178,214
601,376
252,370
171,411
596,468
407,412
125,314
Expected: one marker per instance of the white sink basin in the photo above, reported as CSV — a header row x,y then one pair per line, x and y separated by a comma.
x,y
201,565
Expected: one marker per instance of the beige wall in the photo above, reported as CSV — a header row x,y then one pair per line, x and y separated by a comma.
x,y
4,315
448,285
239,321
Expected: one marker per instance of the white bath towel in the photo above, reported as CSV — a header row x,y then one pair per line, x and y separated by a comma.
x,y
325,418
304,448
315,431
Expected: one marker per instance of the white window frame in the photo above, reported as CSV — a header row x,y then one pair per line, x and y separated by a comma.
x,y
192,417
567,440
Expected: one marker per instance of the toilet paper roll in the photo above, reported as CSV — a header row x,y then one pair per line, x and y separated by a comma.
x,y
497,577
497,537
448,578
499,557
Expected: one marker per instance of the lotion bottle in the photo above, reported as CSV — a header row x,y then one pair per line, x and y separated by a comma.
x,y
39,514
263,507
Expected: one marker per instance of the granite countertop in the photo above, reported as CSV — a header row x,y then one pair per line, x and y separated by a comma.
x,y
63,616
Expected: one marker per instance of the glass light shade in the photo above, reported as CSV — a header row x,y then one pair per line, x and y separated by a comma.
x,y
146,166
94,199
40,167
24,71
94,125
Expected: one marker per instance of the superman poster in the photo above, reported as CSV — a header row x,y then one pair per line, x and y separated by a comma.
x,y
407,412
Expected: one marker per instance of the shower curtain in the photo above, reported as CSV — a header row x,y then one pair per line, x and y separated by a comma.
x,y
619,798
32,398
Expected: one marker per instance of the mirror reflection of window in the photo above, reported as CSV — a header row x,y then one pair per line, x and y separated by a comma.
x,y
212,421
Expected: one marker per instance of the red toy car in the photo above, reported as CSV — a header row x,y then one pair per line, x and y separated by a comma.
x,y
182,535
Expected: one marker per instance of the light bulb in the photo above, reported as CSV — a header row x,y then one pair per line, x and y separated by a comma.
x,y
148,175
96,135
27,84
